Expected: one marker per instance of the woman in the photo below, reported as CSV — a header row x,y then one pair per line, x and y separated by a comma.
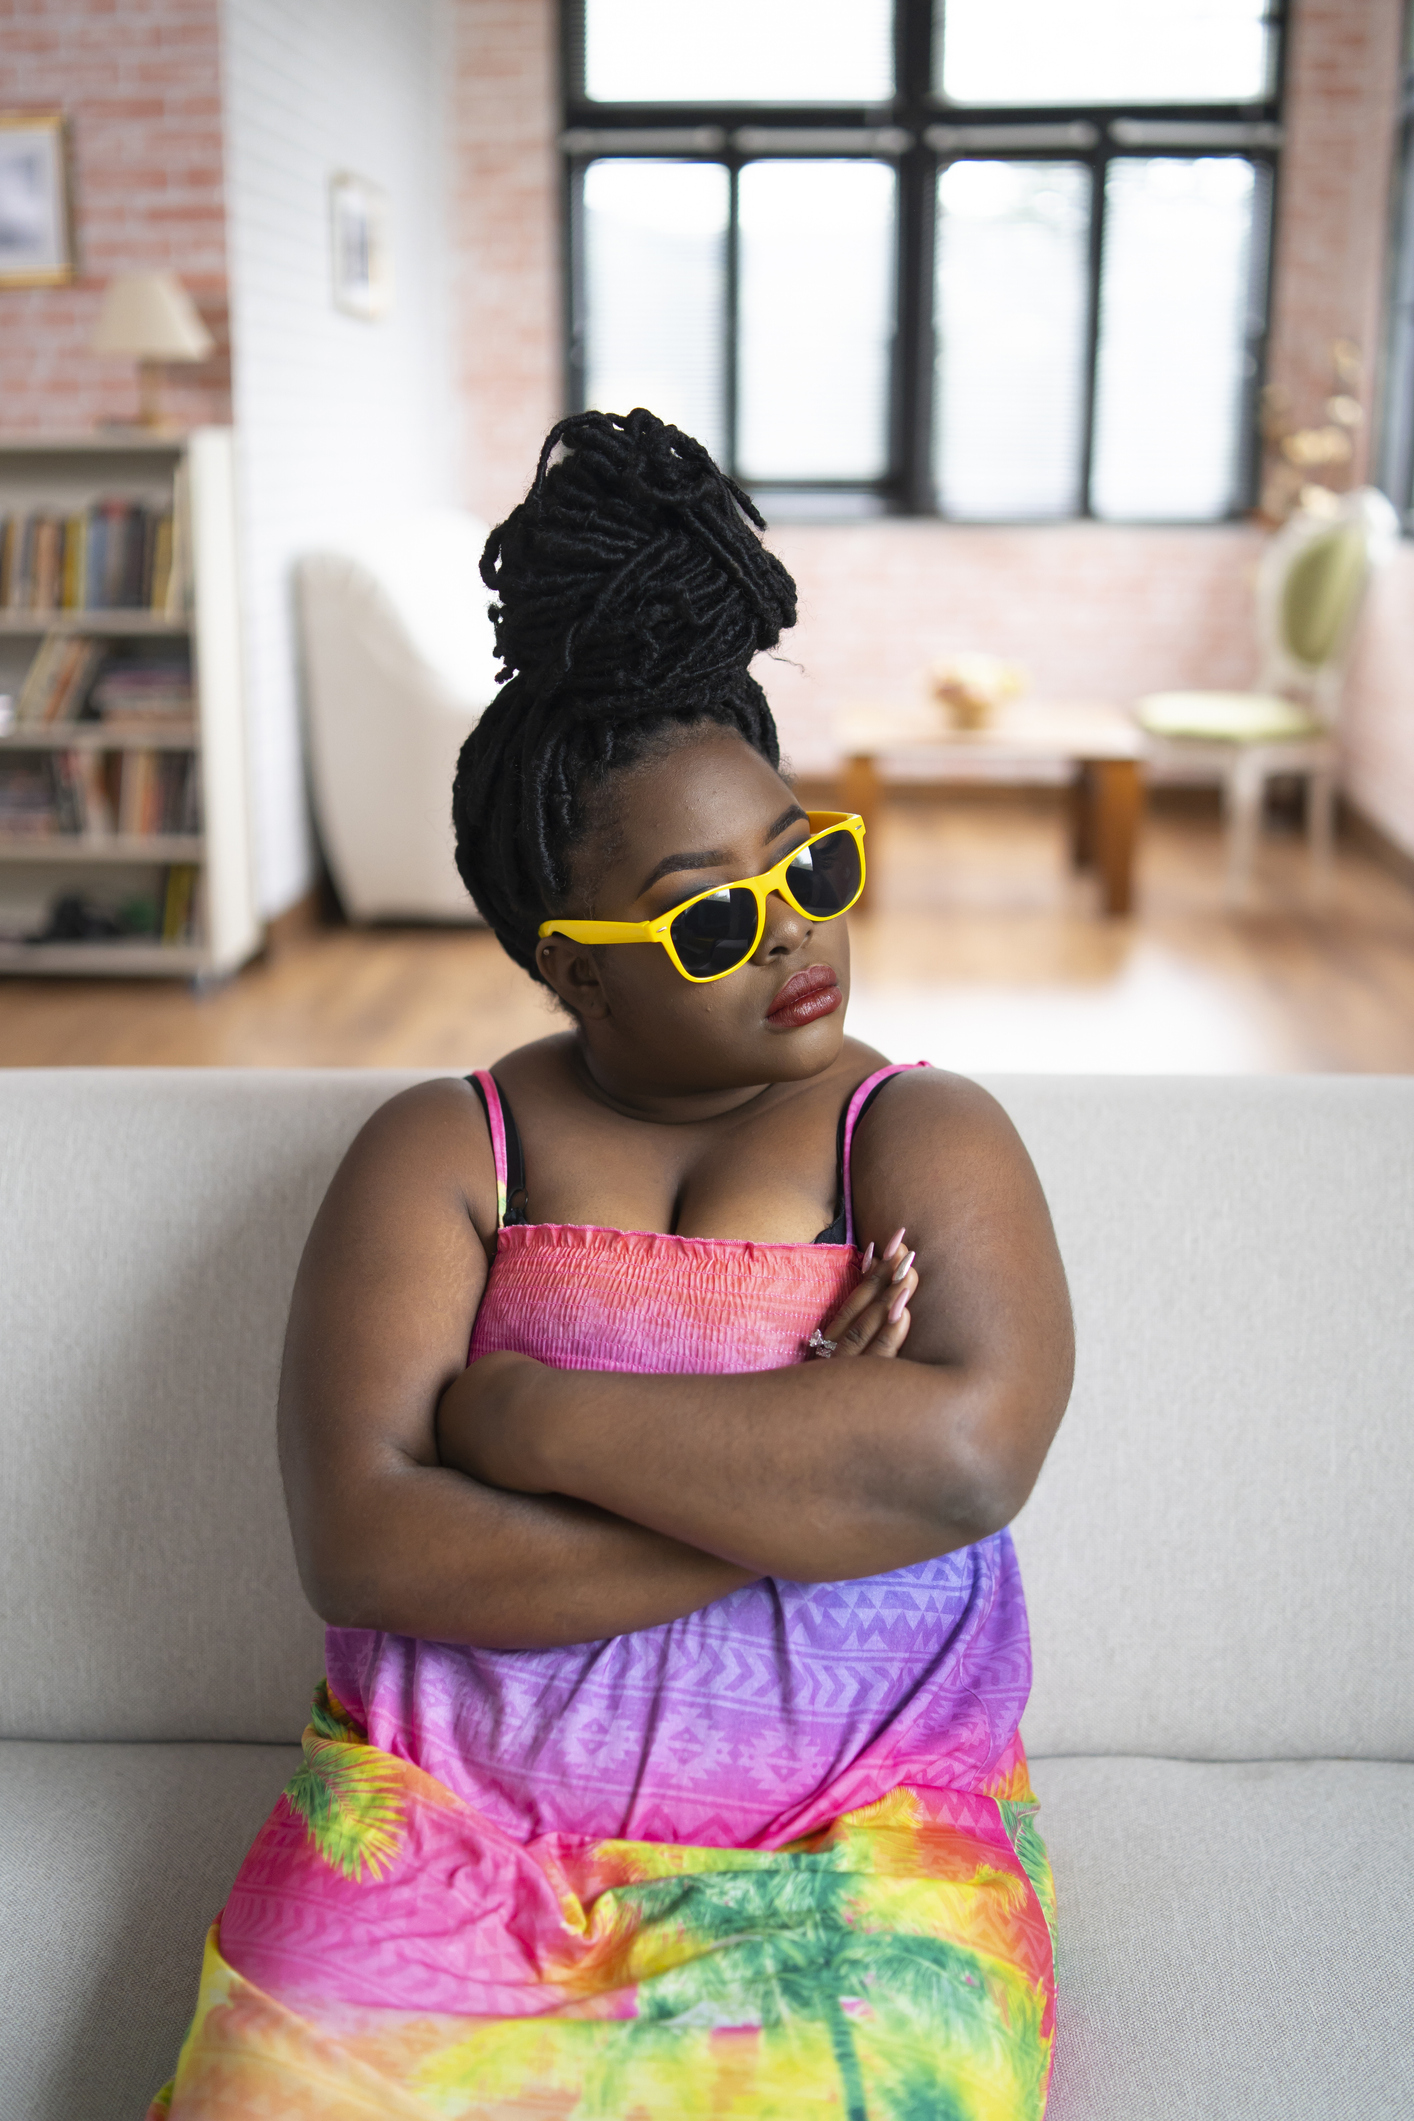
x,y
668,1762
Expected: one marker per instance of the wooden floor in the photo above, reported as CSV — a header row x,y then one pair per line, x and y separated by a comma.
x,y
982,954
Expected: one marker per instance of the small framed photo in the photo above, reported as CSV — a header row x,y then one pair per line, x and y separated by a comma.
x,y
358,227
36,232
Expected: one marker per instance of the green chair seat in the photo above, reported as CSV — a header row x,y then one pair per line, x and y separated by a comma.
x,y
1227,717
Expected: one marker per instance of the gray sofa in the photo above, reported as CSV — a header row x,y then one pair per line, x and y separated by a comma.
x,y
1218,1560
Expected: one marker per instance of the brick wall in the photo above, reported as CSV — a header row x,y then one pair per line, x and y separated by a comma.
x,y
1341,89
141,88
505,226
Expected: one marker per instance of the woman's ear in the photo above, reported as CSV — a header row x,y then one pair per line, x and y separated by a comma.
x,y
571,971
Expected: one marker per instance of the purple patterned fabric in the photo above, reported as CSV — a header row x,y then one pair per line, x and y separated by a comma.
x,y
761,1717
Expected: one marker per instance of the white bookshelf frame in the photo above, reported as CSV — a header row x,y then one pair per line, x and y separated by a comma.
x,y
65,472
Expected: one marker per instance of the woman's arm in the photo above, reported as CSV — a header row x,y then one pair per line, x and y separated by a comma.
x,y
383,1307
833,1469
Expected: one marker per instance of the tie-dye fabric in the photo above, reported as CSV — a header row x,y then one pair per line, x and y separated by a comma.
x,y
775,1859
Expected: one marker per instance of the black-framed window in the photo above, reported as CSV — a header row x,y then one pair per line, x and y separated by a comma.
x,y
1396,451
1000,260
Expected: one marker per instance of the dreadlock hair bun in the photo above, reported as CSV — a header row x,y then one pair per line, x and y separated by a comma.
x,y
633,590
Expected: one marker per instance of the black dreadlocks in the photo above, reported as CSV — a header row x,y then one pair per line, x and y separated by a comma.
x,y
633,592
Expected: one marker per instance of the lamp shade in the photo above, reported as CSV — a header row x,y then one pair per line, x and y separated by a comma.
x,y
150,315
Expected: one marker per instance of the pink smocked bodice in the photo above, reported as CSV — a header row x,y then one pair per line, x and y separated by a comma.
x,y
583,1298
770,1711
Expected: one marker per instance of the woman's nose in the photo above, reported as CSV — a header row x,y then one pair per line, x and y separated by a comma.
x,y
785,929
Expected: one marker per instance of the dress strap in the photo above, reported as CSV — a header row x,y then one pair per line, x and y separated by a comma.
x,y
854,1112
506,1150
483,1082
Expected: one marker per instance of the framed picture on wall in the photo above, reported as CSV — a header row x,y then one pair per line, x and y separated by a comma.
x,y
358,227
36,234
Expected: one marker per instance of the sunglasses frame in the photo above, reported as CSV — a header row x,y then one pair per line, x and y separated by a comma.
x,y
659,930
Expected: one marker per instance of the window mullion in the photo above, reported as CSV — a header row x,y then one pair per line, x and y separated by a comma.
x,y
732,351
572,284
911,437
1256,329
1099,167
911,432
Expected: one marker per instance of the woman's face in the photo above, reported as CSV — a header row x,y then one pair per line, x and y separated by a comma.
x,y
708,812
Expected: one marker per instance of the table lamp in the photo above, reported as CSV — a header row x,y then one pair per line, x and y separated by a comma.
x,y
150,315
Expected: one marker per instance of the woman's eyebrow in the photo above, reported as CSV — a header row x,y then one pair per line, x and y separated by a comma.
x,y
713,857
793,816
708,858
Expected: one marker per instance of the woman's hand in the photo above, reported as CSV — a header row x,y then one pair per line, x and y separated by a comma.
x,y
486,1422
873,1319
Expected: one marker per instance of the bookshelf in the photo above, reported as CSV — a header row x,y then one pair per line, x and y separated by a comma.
x,y
198,879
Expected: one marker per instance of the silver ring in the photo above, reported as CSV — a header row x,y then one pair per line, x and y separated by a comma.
x,y
818,1344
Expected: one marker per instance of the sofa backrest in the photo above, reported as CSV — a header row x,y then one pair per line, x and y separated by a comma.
x,y
1217,1555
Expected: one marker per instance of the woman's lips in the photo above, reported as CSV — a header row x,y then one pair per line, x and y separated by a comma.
x,y
805,998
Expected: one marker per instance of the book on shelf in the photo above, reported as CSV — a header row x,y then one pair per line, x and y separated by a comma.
x,y
157,794
56,685
117,555
179,904
92,795
145,688
73,675
28,801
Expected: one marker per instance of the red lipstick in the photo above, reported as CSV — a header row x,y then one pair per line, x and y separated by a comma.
x,y
804,999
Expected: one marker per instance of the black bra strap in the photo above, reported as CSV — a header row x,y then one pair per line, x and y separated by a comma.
x,y
517,1205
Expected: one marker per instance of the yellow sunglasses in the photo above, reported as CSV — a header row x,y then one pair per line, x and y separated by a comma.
x,y
715,933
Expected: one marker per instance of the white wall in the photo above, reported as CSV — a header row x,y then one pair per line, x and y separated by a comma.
x,y
339,422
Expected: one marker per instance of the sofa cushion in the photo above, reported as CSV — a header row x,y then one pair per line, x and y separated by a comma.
x,y
153,1223
1216,1557
114,1859
1236,1939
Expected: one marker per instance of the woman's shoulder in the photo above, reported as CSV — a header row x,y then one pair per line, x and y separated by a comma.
x,y
436,1131
927,1104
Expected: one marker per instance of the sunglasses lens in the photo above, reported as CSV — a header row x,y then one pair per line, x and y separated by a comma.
x,y
825,877
715,934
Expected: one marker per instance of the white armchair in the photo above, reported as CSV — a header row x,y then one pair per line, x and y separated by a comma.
x,y
398,664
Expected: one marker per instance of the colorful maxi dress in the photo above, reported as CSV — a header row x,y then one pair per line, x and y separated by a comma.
x,y
772,1861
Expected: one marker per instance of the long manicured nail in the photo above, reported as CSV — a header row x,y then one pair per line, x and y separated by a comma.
x,y
898,1307
868,1260
893,1244
903,1266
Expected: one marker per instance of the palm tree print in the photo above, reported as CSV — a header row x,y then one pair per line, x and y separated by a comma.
x,y
346,1793
788,1947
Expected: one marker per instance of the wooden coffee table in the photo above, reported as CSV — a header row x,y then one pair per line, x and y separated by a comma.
x,y
1099,744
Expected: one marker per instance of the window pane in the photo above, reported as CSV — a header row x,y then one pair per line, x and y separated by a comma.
x,y
1173,354
655,256
1103,51
815,319
1013,242
738,51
